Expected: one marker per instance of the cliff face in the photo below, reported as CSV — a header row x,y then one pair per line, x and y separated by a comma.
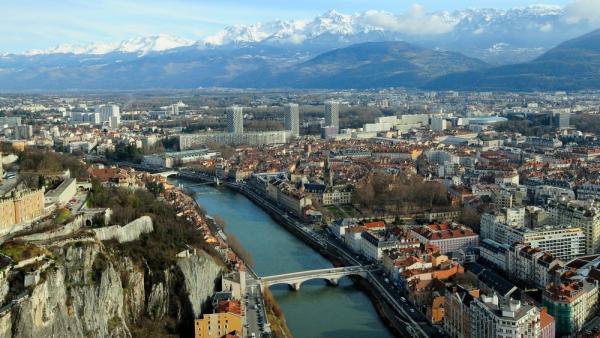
x,y
92,290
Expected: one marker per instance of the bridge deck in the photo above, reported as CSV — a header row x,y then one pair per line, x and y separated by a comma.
x,y
315,273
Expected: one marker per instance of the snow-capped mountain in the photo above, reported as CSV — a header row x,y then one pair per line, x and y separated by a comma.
x,y
522,33
139,45
496,36
335,24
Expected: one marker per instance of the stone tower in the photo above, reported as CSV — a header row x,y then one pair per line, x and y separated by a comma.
x,y
328,173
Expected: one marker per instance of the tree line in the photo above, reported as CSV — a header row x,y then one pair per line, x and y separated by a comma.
x,y
399,193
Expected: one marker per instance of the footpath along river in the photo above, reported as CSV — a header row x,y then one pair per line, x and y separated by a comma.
x,y
317,310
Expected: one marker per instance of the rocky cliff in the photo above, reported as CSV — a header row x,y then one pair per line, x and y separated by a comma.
x,y
94,290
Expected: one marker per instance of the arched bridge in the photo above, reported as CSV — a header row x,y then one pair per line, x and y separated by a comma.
x,y
168,173
332,275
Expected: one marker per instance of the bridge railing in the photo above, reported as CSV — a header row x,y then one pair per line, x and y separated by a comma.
x,y
317,272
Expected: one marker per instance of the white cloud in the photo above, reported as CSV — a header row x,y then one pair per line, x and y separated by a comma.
x,y
479,31
578,11
416,21
545,28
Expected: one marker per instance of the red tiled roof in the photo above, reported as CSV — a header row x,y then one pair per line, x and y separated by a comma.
x,y
232,306
377,224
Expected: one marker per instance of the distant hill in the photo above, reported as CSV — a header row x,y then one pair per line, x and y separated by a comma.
x,y
373,65
572,65
180,68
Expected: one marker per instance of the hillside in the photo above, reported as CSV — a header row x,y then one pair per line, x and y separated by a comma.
x,y
72,280
372,65
572,65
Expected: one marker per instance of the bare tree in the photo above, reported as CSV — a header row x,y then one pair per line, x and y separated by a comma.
x,y
239,249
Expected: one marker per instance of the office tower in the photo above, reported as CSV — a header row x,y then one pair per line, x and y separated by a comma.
x,y
107,111
291,119
332,114
235,120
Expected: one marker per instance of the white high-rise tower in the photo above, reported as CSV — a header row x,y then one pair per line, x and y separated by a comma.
x,y
291,119
332,114
235,120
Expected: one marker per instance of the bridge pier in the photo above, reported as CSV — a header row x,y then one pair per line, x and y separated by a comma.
x,y
333,281
295,286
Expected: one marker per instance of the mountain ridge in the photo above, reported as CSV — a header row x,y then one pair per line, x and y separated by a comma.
x,y
572,65
374,64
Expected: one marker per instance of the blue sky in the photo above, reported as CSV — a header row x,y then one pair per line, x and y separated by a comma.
x,y
41,24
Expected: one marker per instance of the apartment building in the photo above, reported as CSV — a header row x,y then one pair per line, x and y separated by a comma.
x,y
291,119
563,242
448,237
457,318
235,120
588,191
491,316
521,262
571,303
226,319
374,243
583,214
531,265
191,141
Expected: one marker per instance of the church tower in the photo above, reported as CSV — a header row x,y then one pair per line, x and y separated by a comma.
x,y
328,173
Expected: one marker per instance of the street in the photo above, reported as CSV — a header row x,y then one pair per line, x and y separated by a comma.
x,y
255,319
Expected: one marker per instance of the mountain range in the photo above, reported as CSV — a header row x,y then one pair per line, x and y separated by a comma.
x,y
493,35
483,48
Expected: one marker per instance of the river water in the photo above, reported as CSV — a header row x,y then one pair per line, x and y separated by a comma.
x,y
317,310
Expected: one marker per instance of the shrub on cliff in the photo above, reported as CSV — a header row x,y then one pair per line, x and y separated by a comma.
x,y
171,234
